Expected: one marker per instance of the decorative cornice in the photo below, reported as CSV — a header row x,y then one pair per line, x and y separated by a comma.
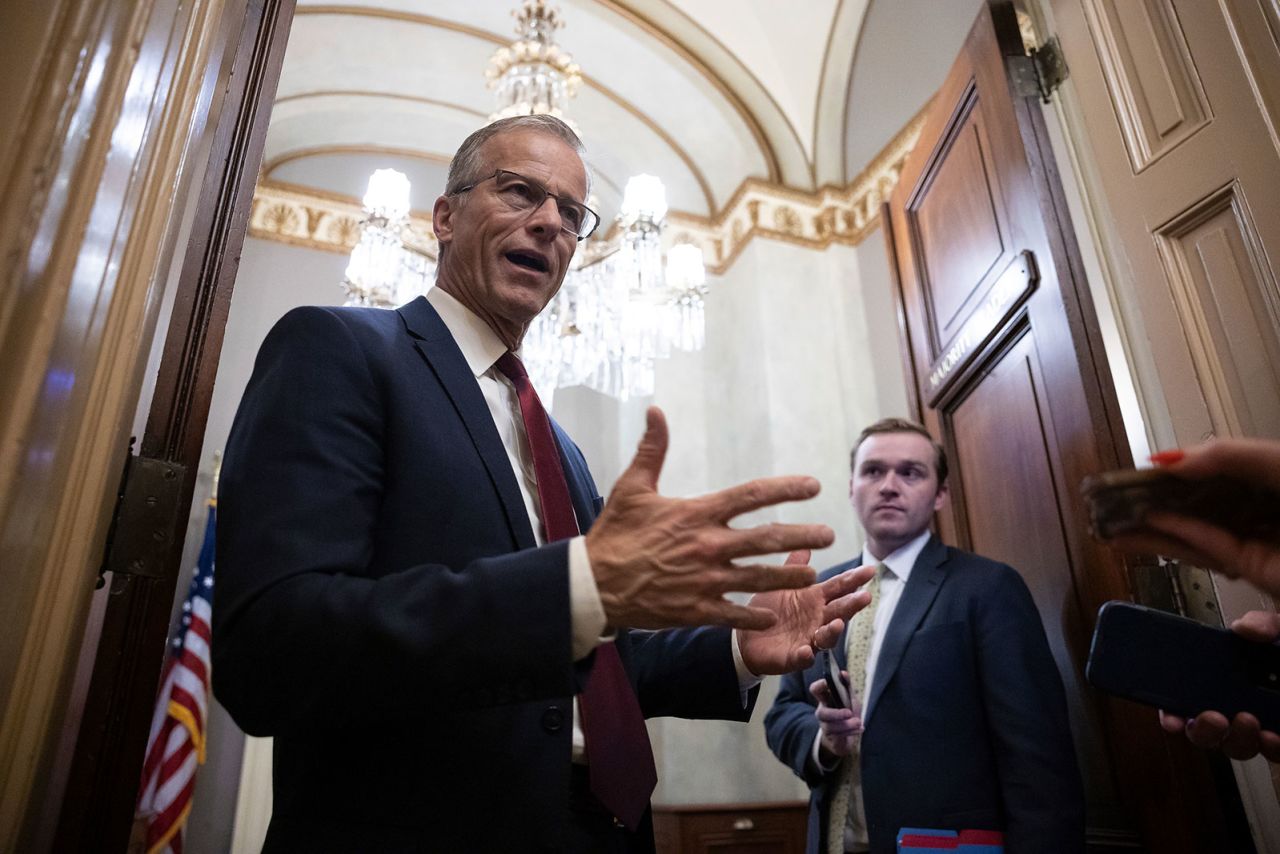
x,y
846,215
330,222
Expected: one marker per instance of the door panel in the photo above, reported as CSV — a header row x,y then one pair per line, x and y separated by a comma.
x,y
1255,31
1230,309
1154,84
960,229
1192,238
1008,368
1017,518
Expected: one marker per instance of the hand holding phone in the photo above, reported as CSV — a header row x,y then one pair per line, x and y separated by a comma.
x,y
839,713
1241,737
1216,505
1120,501
837,686
1182,666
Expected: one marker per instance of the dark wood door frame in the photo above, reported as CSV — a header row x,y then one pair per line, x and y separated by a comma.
x,y
101,792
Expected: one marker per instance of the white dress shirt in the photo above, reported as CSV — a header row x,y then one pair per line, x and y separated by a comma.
x,y
481,348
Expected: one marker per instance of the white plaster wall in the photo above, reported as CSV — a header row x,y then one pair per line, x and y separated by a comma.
x,y
904,51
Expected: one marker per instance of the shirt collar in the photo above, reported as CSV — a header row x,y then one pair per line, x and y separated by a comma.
x,y
902,559
480,345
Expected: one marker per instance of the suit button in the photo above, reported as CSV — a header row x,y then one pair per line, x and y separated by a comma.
x,y
552,719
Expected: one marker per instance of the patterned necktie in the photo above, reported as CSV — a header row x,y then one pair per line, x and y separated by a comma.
x,y
858,649
620,759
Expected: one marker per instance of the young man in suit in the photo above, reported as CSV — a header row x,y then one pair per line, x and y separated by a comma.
x,y
422,596
959,719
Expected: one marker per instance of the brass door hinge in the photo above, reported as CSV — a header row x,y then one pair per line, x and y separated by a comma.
x,y
1177,587
1039,73
146,518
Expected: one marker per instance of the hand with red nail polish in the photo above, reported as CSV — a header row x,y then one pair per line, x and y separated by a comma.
x,y
1255,461
1164,458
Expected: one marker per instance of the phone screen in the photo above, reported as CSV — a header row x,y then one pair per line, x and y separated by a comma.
x,y
1182,666
837,687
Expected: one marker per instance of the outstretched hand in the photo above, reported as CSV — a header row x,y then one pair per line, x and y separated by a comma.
x,y
661,562
808,619
1203,543
1241,737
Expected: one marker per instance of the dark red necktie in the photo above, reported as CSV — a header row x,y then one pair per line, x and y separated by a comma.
x,y
620,760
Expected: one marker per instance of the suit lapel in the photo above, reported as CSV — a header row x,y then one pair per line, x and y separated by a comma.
x,y
917,597
434,342
581,489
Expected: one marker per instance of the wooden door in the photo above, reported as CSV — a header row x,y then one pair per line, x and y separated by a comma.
x,y
1008,369
1178,106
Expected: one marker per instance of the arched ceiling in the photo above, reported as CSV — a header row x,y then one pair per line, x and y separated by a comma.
x,y
702,93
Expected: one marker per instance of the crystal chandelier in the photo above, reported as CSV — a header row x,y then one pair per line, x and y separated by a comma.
x,y
614,317
383,272
618,310
533,75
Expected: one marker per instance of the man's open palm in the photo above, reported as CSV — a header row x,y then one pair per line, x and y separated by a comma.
x,y
808,619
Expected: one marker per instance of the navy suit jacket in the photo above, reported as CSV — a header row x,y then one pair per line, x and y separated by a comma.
x,y
967,718
382,608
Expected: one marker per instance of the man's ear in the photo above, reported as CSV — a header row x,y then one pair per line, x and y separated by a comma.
x,y
940,499
442,218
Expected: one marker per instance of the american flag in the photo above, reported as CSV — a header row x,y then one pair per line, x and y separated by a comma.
x,y
176,745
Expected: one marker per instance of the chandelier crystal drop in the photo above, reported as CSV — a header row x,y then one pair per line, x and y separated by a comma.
x,y
382,271
687,280
533,75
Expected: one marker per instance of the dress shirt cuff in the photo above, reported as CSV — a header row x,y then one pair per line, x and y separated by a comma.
x,y
746,679
816,756
585,608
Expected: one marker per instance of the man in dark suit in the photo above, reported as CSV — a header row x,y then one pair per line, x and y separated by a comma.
x,y
406,600
959,718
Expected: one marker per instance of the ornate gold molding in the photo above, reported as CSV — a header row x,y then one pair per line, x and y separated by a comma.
x,y
315,219
816,220
330,222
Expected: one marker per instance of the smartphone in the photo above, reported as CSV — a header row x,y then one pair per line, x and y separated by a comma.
x,y
837,688
1119,501
1182,666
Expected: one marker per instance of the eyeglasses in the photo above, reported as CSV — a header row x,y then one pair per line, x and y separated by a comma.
x,y
525,194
